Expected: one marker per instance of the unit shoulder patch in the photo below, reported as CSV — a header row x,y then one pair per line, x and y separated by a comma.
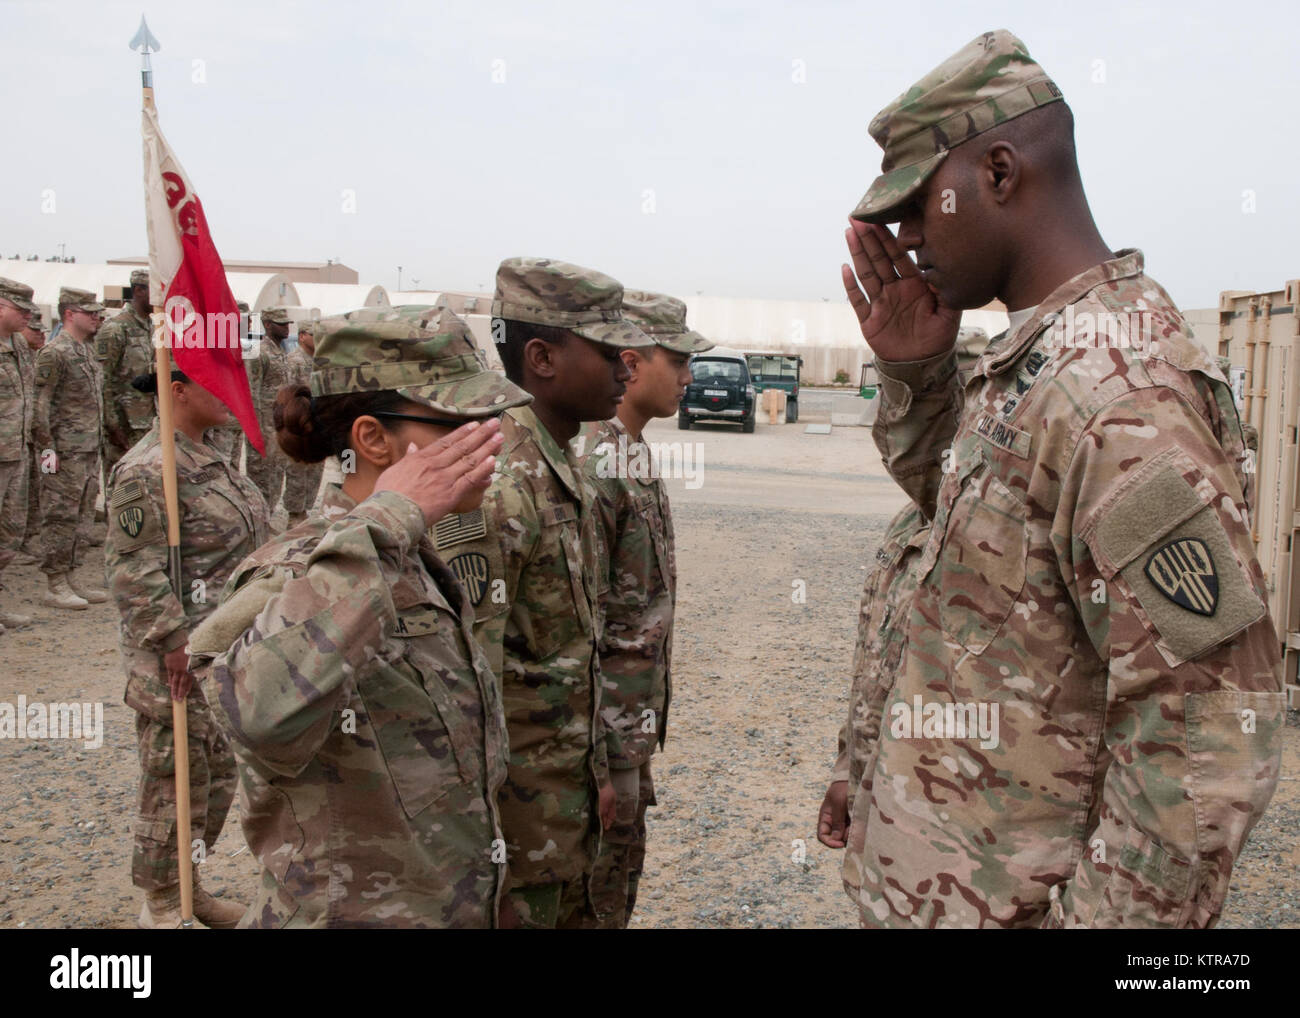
x,y
473,571
1184,572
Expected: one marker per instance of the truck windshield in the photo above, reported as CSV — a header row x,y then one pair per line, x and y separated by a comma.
x,y
715,371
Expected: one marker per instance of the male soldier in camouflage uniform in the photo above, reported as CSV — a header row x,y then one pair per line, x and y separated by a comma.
x,y
223,519
124,349
638,566
15,417
66,432
34,333
124,346
301,480
266,373
528,562
366,719
883,612
1089,598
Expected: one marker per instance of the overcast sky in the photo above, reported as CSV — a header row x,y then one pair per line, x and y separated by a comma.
x,y
672,145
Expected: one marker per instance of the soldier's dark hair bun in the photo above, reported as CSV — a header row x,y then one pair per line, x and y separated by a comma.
x,y
311,429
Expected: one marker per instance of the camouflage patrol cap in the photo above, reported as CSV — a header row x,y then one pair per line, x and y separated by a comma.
x,y
139,277
986,83
435,364
584,301
663,319
18,294
80,300
307,326
243,307
277,315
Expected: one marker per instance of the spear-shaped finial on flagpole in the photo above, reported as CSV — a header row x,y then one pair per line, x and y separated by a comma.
x,y
144,41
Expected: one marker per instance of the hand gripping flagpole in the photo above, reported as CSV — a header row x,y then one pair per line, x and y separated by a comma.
x,y
145,42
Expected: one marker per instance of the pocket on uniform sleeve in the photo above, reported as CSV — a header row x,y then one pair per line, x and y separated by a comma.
x,y
1172,555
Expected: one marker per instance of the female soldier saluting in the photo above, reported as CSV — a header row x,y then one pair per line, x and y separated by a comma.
x,y
223,519
365,719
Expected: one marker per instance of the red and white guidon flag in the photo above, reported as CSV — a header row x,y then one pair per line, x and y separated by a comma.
x,y
188,281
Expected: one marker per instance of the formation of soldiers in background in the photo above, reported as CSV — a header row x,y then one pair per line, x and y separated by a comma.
x,y
1076,554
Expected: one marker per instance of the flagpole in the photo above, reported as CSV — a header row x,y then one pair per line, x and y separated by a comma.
x,y
166,427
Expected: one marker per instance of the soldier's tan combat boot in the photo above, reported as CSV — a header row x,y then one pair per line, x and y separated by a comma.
x,y
60,595
216,913
161,909
12,620
89,594
94,538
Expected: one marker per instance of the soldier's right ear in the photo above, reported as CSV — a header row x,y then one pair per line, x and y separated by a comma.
x,y
540,357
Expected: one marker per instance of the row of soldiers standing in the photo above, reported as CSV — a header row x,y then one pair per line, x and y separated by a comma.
x,y
563,582
68,409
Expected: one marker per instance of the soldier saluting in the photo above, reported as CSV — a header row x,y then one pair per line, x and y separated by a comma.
x,y
342,663
1088,569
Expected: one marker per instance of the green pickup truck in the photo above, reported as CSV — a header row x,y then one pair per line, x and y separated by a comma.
x,y
769,369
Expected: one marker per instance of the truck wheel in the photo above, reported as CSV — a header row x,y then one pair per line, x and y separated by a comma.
x,y
748,425
683,422
791,411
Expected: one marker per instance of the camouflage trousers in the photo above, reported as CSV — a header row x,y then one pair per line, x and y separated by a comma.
x,y
67,510
31,541
13,508
617,871
561,906
213,781
267,472
301,485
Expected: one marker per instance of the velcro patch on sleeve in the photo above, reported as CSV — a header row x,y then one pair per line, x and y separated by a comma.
x,y
132,521
458,528
1175,556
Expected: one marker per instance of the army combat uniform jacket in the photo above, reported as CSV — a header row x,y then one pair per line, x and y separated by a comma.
x,y
125,349
16,398
1089,573
640,581
69,398
886,606
527,559
366,722
223,520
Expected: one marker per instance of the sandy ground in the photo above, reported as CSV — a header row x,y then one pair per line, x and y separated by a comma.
x,y
761,685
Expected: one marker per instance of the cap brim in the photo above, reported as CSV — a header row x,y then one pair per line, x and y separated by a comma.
x,y
890,191
94,309
622,334
685,342
22,305
481,395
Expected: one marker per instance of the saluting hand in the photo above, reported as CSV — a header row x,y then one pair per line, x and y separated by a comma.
x,y
900,317
443,473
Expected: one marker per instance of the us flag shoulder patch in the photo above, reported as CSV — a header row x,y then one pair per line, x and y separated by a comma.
x,y
1183,571
459,528
127,491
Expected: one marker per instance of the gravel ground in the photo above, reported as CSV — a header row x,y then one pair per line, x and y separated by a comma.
x,y
760,688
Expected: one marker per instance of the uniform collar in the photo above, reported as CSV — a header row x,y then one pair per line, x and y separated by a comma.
x,y
1006,351
555,456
